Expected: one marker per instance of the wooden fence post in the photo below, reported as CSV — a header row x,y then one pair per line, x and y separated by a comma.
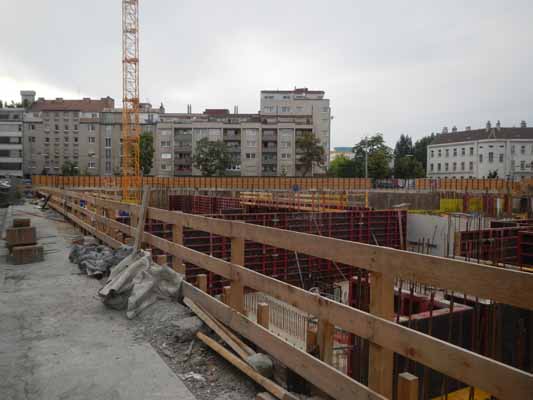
x,y
326,332
380,360
141,219
407,386
201,281
237,289
263,315
177,237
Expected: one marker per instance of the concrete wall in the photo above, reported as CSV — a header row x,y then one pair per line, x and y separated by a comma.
x,y
417,201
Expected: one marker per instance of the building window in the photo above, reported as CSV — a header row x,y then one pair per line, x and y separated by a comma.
x,y
92,127
285,109
286,156
92,139
501,157
75,127
471,165
164,167
447,152
165,143
56,126
455,166
108,166
522,165
446,167
107,153
47,140
251,143
66,127
66,138
522,149
285,144
268,108
513,164
463,151
107,142
462,165
438,167
455,152
75,140
491,157
431,167
57,140
512,149
432,153
481,158
166,156
250,155
440,153
91,164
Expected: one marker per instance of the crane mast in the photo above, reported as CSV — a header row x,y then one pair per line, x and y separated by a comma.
x,y
130,102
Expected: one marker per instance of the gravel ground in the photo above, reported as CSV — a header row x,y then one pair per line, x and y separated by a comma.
x,y
169,327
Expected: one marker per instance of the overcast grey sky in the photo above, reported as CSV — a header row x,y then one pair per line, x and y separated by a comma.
x,y
387,66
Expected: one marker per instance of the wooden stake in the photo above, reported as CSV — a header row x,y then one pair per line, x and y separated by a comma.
x,y
237,289
263,315
407,386
141,219
326,331
177,237
201,280
380,361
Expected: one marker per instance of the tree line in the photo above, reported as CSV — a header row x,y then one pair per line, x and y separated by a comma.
x,y
405,161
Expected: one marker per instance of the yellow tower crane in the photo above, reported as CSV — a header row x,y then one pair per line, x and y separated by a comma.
x,y
131,129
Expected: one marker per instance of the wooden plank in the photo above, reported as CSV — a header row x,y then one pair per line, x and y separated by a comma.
x,y
462,276
323,376
201,281
269,385
407,386
210,322
380,361
177,237
501,380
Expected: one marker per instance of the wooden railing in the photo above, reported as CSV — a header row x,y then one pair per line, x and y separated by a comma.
x,y
386,337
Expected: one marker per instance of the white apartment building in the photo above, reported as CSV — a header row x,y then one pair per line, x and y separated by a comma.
x,y
481,152
11,141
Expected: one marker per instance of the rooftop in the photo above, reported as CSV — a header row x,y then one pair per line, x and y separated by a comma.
x,y
483,134
84,105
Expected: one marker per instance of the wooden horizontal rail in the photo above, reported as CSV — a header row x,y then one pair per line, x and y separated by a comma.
x,y
499,379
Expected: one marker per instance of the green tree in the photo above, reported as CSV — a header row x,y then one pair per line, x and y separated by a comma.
x,y
310,152
420,150
493,174
146,145
212,158
408,167
379,157
70,168
1,104
342,167
404,147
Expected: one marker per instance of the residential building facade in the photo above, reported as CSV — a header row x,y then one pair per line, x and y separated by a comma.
x,y
88,132
480,153
11,141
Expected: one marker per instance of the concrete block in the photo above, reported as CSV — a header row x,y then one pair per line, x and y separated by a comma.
x,y
21,222
27,254
21,236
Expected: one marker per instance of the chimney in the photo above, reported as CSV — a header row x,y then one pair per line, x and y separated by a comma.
x,y
59,99
498,125
445,129
523,124
468,128
454,129
27,96
235,109
488,126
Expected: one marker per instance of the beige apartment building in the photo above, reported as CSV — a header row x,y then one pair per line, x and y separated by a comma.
x,y
88,133
11,141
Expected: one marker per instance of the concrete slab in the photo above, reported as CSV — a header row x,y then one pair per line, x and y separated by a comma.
x,y
57,341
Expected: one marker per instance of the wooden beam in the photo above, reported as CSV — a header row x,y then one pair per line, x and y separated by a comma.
x,y
479,371
380,360
177,237
407,387
201,282
325,377
269,385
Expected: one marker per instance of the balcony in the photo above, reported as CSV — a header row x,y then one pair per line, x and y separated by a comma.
x,y
269,149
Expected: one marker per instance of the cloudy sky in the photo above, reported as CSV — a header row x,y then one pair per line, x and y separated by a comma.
x,y
387,66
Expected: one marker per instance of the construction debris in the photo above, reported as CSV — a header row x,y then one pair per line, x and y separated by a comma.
x,y
96,260
22,244
137,282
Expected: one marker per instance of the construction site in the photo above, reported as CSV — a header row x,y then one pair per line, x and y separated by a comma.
x,y
234,288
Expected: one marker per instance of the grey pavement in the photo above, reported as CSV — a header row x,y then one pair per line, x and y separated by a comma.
x,y
57,341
